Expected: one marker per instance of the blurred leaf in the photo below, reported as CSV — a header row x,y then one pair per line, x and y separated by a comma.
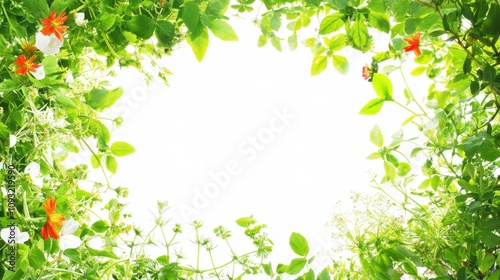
x,y
111,163
223,31
382,86
372,107
121,149
199,45
376,136
191,15
340,63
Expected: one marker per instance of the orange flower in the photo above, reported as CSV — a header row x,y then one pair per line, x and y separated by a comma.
x,y
26,65
54,25
413,42
53,219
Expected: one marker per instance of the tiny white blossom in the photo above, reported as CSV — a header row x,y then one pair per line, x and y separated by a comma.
x,y
69,77
80,19
39,73
12,140
47,44
12,235
66,238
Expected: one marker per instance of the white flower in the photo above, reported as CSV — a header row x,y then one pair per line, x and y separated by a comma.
x,y
47,44
66,238
12,235
33,169
80,19
39,73
12,140
69,77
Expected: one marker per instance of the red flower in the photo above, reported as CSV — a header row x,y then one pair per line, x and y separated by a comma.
x,y
26,65
413,42
367,72
53,219
54,25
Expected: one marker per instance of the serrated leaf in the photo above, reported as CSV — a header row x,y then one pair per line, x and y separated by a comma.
x,y
120,149
359,34
372,107
223,31
336,42
299,244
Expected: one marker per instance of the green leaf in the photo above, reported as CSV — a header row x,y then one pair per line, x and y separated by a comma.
x,y
223,31
39,8
96,160
419,70
319,64
50,64
296,265
410,268
36,258
100,226
359,34
372,107
382,86
73,254
191,15
376,136
492,22
246,221
142,26
379,21
268,269
120,149
486,263
331,23
276,42
324,275
262,41
403,169
111,163
99,253
340,63
299,244
199,44
106,21
292,42
336,43
390,170
165,32
100,99
65,101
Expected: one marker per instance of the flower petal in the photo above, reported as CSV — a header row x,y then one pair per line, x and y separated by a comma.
x,y
69,227
69,242
39,73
